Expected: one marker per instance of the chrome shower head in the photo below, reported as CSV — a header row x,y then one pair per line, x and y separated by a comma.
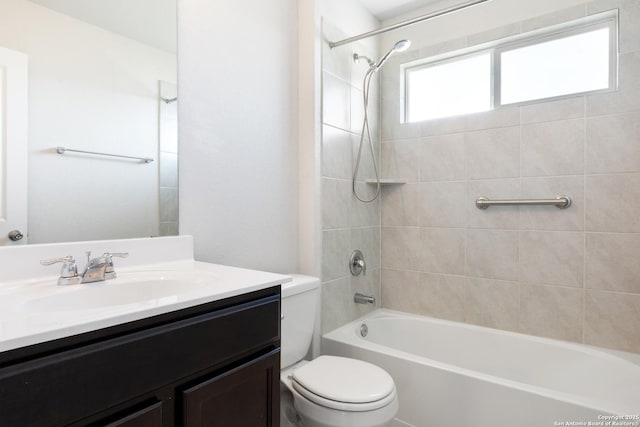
x,y
400,46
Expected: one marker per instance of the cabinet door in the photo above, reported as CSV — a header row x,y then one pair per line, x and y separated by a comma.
x,y
247,396
151,416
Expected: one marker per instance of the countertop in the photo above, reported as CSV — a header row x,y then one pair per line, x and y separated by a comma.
x,y
38,310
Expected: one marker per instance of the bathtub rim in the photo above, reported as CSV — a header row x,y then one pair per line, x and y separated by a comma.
x,y
343,333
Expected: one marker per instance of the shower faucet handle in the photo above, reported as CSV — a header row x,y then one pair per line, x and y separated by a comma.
x,y
357,264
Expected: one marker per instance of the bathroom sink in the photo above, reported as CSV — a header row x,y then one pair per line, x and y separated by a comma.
x,y
139,288
109,294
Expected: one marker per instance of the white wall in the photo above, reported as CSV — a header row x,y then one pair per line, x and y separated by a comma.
x,y
89,89
238,127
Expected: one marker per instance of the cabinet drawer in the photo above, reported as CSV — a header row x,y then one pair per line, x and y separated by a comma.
x,y
151,416
68,386
241,397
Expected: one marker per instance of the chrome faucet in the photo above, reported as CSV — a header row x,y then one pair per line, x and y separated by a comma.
x,y
98,269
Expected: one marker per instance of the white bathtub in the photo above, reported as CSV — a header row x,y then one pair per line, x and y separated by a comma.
x,y
452,374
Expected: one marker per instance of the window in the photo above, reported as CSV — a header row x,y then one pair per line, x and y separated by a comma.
x,y
574,58
450,88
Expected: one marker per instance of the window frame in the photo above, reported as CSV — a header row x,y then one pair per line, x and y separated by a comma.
x,y
495,48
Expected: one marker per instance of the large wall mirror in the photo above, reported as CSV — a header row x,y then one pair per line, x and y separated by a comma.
x,y
101,79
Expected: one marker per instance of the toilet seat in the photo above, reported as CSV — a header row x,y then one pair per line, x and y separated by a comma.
x,y
344,384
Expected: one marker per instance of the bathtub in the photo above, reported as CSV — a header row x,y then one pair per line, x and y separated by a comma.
x,y
452,374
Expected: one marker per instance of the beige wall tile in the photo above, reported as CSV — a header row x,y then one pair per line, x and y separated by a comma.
x,y
503,217
628,71
401,290
401,159
613,203
492,303
493,153
612,319
391,121
553,148
336,153
442,250
368,241
622,101
436,49
357,111
551,311
442,126
564,109
503,117
435,295
336,101
401,248
492,254
443,296
554,18
550,217
442,158
442,204
336,199
336,304
365,214
401,205
552,257
612,143
365,169
612,262
335,254
628,29
494,34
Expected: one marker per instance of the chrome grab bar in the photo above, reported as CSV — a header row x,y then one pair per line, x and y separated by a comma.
x,y
561,202
62,150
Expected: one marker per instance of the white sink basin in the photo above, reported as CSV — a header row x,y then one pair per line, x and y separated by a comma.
x,y
113,293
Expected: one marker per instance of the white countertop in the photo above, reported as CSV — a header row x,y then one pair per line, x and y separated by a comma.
x,y
37,310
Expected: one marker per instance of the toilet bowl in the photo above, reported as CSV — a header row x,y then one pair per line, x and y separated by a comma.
x,y
328,391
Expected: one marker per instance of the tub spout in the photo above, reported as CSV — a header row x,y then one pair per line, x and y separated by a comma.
x,y
364,299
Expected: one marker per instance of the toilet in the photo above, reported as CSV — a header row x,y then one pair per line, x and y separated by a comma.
x,y
328,391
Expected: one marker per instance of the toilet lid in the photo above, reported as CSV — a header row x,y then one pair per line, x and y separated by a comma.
x,y
340,379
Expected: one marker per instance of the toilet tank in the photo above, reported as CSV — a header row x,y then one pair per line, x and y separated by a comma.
x,y
299,305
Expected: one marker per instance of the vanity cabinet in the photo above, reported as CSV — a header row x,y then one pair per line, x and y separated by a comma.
x,y
217,364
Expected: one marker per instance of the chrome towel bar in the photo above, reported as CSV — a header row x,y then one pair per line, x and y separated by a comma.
x,y
561,202
62,150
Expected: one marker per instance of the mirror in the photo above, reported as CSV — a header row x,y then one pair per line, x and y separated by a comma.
x,y
102,92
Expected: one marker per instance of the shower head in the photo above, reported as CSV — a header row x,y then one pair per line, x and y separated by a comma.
x,y
400,46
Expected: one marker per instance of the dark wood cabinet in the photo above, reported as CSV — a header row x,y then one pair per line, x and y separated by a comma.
x,y
217,363
149,416
242,397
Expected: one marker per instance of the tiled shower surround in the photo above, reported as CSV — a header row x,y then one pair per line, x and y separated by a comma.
x,y
570,274
347,224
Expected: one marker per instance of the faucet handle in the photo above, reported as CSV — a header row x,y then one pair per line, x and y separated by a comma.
x,y
69,271
65,259
108,256
116,254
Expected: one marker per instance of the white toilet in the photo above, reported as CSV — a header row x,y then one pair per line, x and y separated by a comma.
x,y
328,391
